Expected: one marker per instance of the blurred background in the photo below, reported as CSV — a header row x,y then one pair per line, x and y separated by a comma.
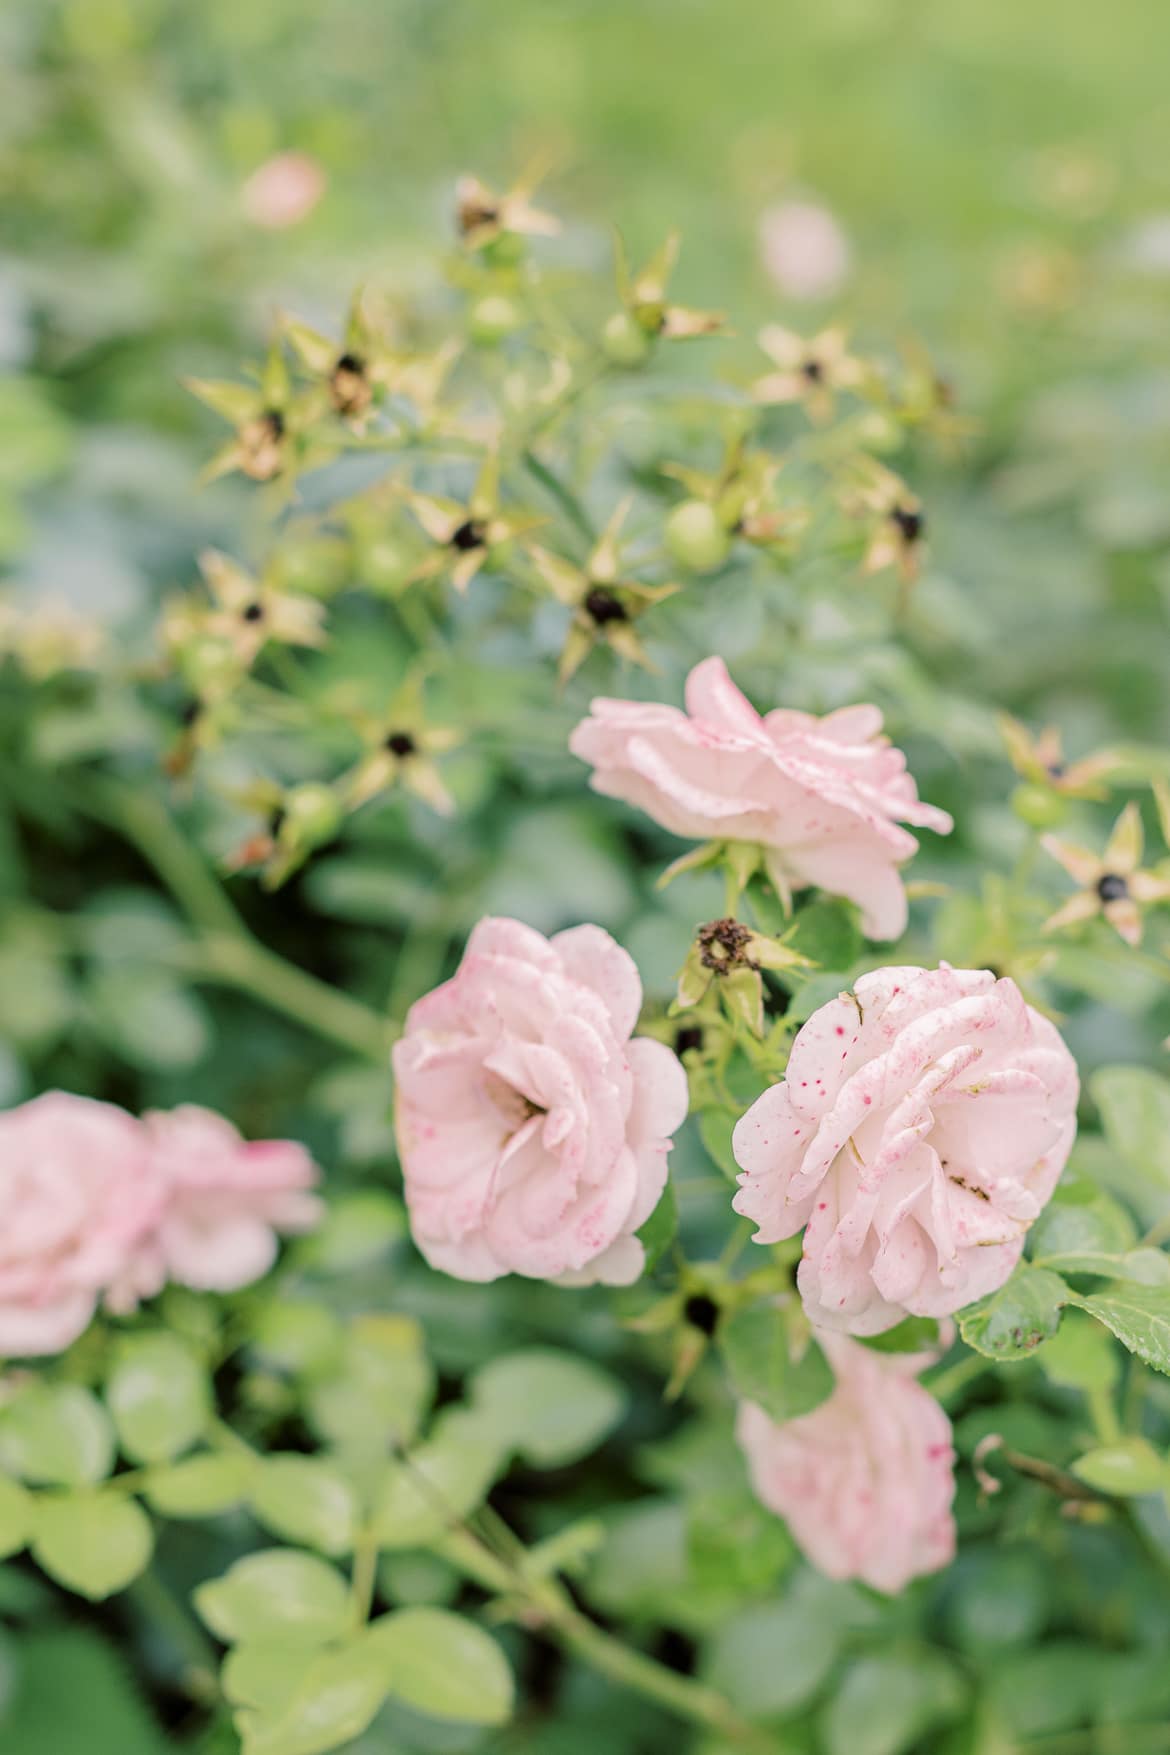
x,y
989,180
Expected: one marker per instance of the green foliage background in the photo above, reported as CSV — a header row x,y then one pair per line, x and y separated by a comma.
x,y
999,169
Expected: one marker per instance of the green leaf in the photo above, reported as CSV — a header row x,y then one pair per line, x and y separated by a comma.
x,y
358,1229
1079,1229
773,1658
1013,1322
1080,1355
915,1334
772,1362
1127,1469
58,1434
200,1486
550,1407
715,1130
1140,1318
277,1594
380,1390
439,1483
74,1697
94,1543
999,1599
445,1666
16,1516
321,1705
297,1336
147,1017
303,1499
1135,1113
828,932
887,1702
159,1395
660,1229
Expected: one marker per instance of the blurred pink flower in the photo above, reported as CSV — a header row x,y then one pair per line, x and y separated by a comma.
x,y
533,1132
823,796
804,250
865,1481
224,1201
79,1196
283,190
921,1126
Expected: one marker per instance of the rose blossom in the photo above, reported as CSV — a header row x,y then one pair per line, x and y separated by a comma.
x,y
533,1132
920,1128
283,190
823,796
224,1200
865,1481
804,249
78,1198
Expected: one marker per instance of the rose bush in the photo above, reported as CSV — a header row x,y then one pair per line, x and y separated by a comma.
x,y
469,518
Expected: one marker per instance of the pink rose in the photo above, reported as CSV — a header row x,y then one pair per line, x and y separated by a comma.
x,y
921,1126
804,249
78,1198
533,1132
823,796
224,1200
283,190
865,1481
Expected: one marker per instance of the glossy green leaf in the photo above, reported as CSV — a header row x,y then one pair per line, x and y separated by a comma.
x,y
1126,1469
94,1543
200,1486
1013,1322
887,1702
439,1483
159,1395
57,1434
305,1500
16,1516
330,1700
297,1336
770,1361
1140,1318
277,1594
445,1666
380,1389
550,1407
660,1229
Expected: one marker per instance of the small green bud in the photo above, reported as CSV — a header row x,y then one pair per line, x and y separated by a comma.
x,y
695,538
1039,806
385,564
312,815
493,318
505,251
624,340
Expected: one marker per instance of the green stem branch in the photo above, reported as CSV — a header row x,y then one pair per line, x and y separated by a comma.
x,y
545,1606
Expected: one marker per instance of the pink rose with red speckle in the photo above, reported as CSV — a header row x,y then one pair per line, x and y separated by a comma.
x,y
533,1131
824,797
865,1481
921,1126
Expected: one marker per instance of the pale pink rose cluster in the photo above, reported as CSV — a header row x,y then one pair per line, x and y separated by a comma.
x,y
825,797
100,1207
865,1481
533,1131
922,1124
